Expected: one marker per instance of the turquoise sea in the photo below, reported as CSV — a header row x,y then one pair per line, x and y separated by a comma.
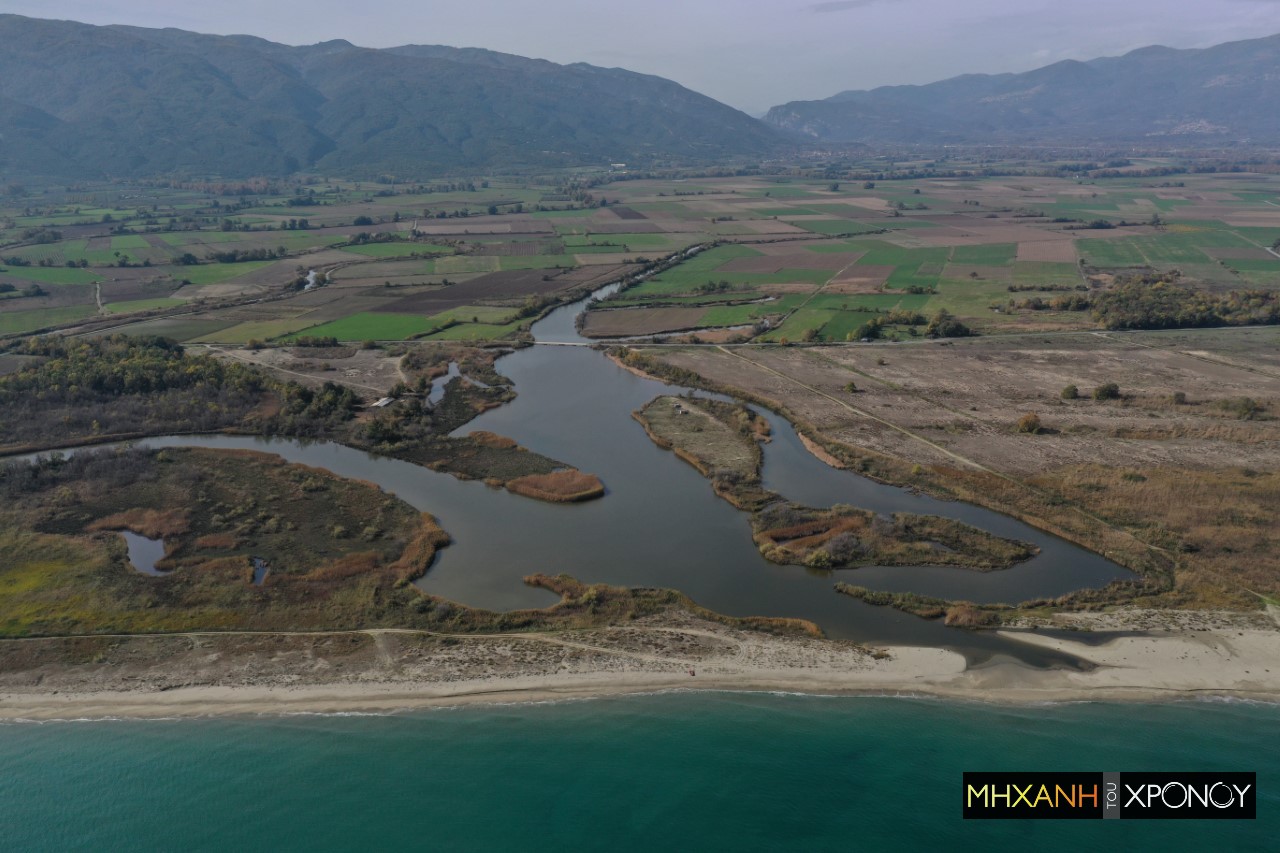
x,y
673,772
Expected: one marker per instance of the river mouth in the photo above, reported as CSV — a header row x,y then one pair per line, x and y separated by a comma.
x,y
661,525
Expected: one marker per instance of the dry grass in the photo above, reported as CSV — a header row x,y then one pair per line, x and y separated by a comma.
x,y
217,541
491,439
844,536
1222,525
713,440
151,523
568,486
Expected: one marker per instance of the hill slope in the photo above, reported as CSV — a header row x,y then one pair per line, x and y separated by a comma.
x,y
86,100
1221,94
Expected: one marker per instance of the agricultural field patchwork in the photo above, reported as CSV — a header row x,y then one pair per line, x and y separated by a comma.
x,y
770,259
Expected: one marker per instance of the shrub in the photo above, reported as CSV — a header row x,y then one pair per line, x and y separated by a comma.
x,y
1109,391
1071,392
818,560
1029,423
1244,408
944,325
844,548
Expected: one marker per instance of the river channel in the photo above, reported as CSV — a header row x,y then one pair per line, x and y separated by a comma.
x,y
660,525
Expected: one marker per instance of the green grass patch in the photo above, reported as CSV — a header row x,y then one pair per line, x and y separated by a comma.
x,y
18,322
372,325
178,328
257,330
888,301
475,331
129,242
1271,265
466,263
53,275
494,315
739,315
1045,273
996,255
794,327
844,325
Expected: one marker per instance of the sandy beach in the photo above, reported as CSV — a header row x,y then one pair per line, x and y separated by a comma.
x,y
193,675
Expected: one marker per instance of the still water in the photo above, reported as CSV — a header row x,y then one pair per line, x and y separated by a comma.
x,y
660,524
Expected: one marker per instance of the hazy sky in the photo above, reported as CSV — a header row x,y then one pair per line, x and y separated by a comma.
x,y
749,53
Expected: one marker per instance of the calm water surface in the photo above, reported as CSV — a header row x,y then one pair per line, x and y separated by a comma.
x,y
698,772
144,553
661,525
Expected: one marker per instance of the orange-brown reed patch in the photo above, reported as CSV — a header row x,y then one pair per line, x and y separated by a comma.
x,y
569,486
492,439
217,541
151,523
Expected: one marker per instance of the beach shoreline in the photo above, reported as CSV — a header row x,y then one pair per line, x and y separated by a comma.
x,y
387,672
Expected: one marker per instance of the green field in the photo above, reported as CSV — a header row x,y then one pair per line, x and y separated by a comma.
x,y
474,331
795,326
372,325
178,328
129,242
53,275
843,325
995,255
895,226
492,314
738,315
257,330
15,322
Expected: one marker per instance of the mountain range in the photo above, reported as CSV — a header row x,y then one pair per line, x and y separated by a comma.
x,y
1223,94
127,101
87,101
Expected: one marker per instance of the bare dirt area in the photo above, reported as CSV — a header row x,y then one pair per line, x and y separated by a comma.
x,y
1186,459
860,279
370,373
628,322
967,397
627,213
509,285
628,227
783,288
770,226
1047,251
